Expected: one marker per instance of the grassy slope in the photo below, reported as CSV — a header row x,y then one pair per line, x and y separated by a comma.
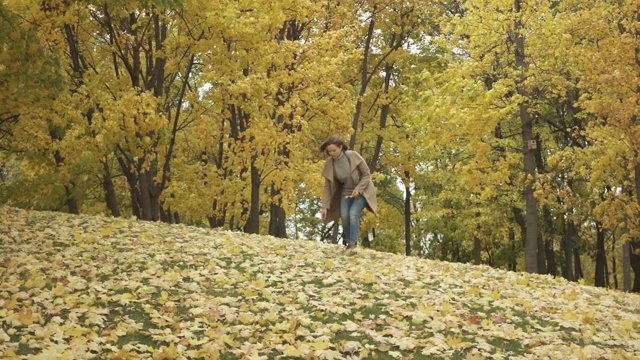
x,y
93,287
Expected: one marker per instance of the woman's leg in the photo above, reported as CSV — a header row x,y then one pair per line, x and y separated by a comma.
x,y
345,207
355,210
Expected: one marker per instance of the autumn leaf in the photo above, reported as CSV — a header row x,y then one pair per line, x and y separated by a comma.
x,y
26,317
169,304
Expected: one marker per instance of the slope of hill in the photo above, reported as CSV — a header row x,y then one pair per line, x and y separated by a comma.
x,y
81,287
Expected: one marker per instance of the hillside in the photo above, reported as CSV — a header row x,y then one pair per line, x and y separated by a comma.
x,y
81,287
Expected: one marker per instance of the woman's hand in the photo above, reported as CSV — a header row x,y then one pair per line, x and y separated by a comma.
x,y
324,214
355,194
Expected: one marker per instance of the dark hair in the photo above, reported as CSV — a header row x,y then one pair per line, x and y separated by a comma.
x,y
334,140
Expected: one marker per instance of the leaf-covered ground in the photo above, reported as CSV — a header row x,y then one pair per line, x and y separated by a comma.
x,y
81,287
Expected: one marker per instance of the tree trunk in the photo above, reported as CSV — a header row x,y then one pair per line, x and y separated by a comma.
x,y
601,260
407,214
72,204
531,237
626,266
513,264
384,114
277,218
614,264
477,245
568,248
216,221
551,267
252,225
520,220
149,201
364,79
70,201
635,265
578,264
109,191
541,256
634,258
335,231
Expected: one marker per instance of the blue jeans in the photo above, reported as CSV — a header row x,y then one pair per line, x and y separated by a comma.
x,y
350,210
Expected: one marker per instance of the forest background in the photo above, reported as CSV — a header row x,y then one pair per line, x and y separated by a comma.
x,y
498,132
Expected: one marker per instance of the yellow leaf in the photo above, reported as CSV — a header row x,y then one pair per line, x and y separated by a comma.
x,y
472,356
364,354
209,352
229,341
569,315
474,290
75,331
167,353
59,290
9,354
26,317
453,341
446,307
293,351
246,318
589,318
11,304
320,345
250,293
293,325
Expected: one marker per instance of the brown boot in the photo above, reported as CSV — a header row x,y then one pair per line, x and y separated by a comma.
x,y
351,249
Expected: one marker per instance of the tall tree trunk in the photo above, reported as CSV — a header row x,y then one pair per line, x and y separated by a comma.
x,y
634,258
335,230
384,114
407,213
531,207
601,260
520,220
578,264
513,263
72,204
70,201
541,256
477,245
546,257
635,265
568,248
614,264
548,244
552,267
277,219
364,79
217,221
109,191
253,221
149,201
626,264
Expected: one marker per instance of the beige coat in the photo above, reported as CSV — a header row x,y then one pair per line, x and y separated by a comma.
x,y
361,176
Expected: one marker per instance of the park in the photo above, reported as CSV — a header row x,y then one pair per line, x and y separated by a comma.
x,y
161,179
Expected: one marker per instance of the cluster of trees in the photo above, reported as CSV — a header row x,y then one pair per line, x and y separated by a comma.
x,y
498,132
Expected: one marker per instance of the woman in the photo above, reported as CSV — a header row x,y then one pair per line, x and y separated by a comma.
x,y
348,189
